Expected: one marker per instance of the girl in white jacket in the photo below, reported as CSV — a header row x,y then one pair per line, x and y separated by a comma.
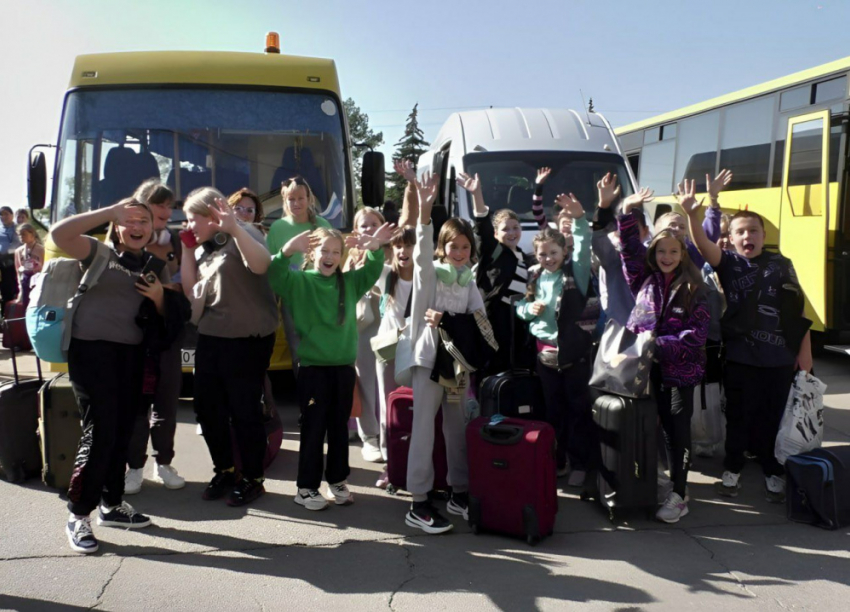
x,y
445,285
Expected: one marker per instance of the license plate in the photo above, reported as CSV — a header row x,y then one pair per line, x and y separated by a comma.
x,y
188,358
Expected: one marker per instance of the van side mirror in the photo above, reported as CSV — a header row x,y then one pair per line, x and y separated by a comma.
x,y
37,180
372,179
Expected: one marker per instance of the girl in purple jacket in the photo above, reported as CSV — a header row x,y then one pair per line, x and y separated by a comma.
x,y
670,298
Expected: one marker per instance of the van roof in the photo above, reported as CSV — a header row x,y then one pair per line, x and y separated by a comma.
x,y
529,129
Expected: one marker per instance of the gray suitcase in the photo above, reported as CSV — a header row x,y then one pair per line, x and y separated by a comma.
x,y
59,429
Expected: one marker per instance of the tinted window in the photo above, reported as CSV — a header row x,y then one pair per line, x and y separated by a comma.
x,y
831,90
668,132
795,98
634,162
745,142
806,153
779,153
697,151
656,167
630,142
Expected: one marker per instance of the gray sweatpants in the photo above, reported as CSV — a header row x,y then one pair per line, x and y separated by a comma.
x,y
163,414
367,423
428,396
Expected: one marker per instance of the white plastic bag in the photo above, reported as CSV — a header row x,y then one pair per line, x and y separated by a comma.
x,y
708,424
801,429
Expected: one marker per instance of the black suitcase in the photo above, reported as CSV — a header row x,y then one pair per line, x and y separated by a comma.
x,y
628,473
60,429
817,489
20,457
516,393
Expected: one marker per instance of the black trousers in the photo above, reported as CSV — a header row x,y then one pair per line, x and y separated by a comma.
x,y
755,401
325,394
107,381
229,376
675,410
569,411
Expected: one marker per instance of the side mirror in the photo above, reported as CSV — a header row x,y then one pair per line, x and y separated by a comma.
x,y
37,180
372,179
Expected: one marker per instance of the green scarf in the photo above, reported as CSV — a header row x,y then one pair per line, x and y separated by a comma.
x,y
450,275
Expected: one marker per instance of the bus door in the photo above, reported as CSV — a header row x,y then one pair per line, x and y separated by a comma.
x,y
804,209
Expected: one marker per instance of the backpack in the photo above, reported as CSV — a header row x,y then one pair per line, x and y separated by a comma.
x,y
55,295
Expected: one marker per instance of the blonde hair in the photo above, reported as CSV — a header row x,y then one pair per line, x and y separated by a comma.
x,y
322,233
502,215
292,184
200,200
368,210
661,222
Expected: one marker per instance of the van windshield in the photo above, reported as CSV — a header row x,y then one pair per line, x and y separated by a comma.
x,y
507,178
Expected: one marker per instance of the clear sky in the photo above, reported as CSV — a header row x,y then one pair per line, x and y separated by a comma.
x,y
634,58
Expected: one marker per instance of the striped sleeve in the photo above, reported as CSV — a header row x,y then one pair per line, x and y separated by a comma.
x,y
537,206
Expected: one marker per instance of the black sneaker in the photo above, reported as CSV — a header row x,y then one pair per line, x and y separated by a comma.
x,y
459,505
221,484
80,535
123,516
245,491
424,516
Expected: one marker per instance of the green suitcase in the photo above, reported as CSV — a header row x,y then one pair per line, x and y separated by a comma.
x,y
59,430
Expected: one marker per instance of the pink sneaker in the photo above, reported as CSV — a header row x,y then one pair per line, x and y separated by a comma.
x,y
383,480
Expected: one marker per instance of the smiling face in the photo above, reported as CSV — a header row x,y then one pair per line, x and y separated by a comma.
x,y
297,202
246,210
551,255
747,236
161,215
458,251
508,232
202,227
403,255
668,254
367,224
327,255
675,223
136,235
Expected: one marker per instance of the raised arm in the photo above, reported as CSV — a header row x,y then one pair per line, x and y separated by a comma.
x,y
254,252
373,264
473,186
537,199
483,220
69,234
410,205
689,203
711,224
581,239
633,251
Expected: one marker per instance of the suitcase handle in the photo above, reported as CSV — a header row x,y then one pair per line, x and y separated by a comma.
x,y
503,435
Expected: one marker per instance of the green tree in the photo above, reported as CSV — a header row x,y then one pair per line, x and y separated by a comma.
x,y
358,128
410,146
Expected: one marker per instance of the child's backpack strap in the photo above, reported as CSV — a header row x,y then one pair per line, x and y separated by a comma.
x,y
89,280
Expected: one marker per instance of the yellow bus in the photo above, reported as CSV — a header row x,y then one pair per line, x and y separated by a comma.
x,y
193,119
786,143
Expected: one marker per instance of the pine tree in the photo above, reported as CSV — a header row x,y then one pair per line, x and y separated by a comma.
x,y
410,146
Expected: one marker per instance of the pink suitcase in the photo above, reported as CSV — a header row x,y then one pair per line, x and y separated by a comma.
x,y
512,477
399,426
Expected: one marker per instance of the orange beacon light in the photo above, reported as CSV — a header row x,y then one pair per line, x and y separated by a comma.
x,y
272,42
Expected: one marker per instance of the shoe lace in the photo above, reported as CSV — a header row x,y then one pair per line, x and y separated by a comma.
x,y
125,509
672,501
83,527
312,493
340,488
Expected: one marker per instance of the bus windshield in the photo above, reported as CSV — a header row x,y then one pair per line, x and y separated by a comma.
x,y
507,178
112,140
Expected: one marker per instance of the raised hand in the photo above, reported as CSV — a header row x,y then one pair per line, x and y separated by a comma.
x,y
300,243
637,200
224,216
608,189
686,194
125,214
543,174
372,242
405,168
471,184
714,187
570,204
427,190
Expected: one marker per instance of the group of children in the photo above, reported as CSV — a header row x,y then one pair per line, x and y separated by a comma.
x,y
358,325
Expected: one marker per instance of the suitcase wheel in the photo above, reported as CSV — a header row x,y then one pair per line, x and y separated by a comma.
x,y
533,540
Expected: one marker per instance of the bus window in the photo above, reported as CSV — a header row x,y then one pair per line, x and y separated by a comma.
x,y
804,166
834,89
656,167
745,142
697,152
634,162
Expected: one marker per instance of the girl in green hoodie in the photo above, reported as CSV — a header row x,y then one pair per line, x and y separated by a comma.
x,y
322,302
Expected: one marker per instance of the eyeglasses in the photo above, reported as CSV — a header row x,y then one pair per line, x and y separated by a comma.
x,y
244,209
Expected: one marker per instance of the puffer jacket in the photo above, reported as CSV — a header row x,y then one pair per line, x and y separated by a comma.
x,y
681,329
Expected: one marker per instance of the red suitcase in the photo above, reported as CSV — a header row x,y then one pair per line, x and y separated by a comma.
x,y
15,328
512,477
399,426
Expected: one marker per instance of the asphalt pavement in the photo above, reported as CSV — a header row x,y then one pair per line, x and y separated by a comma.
x,y
738,554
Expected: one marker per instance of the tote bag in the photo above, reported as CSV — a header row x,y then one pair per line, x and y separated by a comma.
x,y
624,361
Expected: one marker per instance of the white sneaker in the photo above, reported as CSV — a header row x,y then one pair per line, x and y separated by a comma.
x,y
576,478
168,476
133,481
673,509
340,494
310,499
775,486
729,485
665,487
371,452
199,430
